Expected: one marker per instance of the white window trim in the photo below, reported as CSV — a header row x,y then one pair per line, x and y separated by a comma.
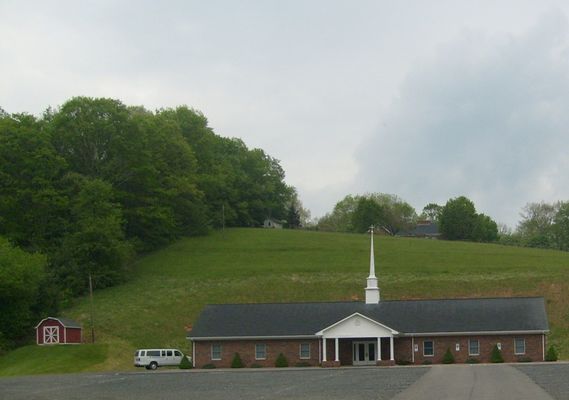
x,y
515,349
300,351
428,355
472,341
220,351
263,358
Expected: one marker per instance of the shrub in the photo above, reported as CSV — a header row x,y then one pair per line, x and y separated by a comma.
x,y
448,358
185,363
427,362
255,365
302,364
496,356
237,362
403,362
472,360
551,354
524,359
281,361
209,366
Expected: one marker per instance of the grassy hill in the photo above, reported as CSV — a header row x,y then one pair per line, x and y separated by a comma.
x,y
170,287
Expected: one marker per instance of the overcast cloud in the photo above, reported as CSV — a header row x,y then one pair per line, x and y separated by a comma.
x,y
426,100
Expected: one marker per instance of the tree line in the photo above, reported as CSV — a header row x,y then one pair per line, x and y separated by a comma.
x,y
93,183
457,219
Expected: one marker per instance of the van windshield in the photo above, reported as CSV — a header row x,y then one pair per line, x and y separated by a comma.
x,y
136,353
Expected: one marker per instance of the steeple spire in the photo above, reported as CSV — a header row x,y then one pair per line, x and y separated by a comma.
x,y
372,290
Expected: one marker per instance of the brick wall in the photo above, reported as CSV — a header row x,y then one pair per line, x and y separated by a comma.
x,y
533,349
246,350
402,346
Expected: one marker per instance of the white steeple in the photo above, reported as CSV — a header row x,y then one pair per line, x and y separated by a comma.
x,y
372,290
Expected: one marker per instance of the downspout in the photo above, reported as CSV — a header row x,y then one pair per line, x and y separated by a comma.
x,y
413,349
193,354
543,345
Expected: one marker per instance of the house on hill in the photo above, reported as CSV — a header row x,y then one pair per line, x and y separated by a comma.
x,y
374,332
56,330
424,229
272,223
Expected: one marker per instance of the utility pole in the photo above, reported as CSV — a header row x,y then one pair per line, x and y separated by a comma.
x,y
92,319
223,220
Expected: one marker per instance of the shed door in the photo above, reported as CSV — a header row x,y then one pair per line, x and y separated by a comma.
x,y
51,334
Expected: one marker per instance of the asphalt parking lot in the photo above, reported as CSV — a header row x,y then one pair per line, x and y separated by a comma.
x,y
536,381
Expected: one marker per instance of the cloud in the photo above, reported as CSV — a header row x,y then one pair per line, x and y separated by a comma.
x,y
486,116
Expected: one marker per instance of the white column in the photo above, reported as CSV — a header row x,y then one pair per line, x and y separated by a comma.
x,y
337,345
324,349
391,348
378,349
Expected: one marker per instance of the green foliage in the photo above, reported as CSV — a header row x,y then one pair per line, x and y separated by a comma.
x,y
431,212
255,365
403,362
208,366
551,354
525,359
448,358
496,356
356,213
472,360
185,363
281,361
458,220
237,362
21,278
427,362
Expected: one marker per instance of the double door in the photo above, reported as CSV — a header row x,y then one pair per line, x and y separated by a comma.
x,y
364,353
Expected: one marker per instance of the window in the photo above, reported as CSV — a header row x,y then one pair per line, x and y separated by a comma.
x,y
153,353
519,346
216,352
169,353
428,348
473,347
260,351
177,353
305,350
163,353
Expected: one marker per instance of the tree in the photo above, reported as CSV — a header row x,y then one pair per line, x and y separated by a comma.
x,y
535,228
340,219
496,356
96,244
485,229
21,278
431,212
560,226
457,219
368,212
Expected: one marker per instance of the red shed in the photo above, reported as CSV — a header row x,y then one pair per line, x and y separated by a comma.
x,y
53,330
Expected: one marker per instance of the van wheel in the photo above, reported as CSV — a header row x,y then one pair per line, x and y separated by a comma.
x,y
153,365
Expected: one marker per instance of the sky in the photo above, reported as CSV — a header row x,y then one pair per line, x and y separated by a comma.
x,y
425,100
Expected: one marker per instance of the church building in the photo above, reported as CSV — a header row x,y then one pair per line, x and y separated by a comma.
x,y
374,332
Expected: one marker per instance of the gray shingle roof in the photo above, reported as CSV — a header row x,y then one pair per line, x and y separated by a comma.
x,y
405,316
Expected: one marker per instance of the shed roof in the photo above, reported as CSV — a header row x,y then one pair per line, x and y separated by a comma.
x,y
510,314
66,322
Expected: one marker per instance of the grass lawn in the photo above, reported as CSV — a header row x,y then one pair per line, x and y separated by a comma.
x,y
169,288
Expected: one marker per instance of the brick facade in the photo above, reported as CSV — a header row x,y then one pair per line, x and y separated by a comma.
x,y
533,348
403,349
246,350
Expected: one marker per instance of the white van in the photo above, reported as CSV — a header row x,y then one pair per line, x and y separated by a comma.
x,y
154,358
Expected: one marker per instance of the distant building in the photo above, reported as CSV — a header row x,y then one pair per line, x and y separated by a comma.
x,y
272,224
373,332
425,229
52,330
